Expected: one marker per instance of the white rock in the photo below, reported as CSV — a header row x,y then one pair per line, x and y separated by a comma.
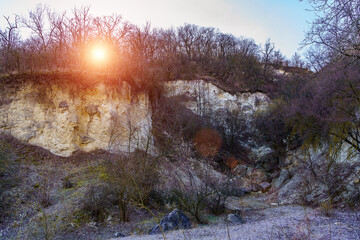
x,y
86,124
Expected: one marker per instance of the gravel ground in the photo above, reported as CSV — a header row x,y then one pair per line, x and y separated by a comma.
x,y
282,222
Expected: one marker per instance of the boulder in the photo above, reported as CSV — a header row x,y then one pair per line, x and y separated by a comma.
x,y
257,176
278,182
92,224
119,235
240,170
174,220
265,186
254,187
246,190
232,204
235,218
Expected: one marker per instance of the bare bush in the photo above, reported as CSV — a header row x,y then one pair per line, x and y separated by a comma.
x,y
97,200
132,179
191,194
198,188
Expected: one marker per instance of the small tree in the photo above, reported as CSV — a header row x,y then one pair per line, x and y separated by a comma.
x,y
9,40
132,179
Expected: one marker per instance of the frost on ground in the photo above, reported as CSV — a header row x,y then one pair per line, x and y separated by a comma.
x,y
283,222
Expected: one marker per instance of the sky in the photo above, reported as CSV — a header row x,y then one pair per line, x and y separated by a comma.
x,y
283,21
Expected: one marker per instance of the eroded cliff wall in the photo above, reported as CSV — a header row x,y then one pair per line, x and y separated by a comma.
x,y
205,98
63,121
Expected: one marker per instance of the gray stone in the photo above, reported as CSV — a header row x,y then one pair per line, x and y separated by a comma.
x,y
174,220
246,190
254,187
92,224
232,204
287,161
265,186
119,234
278,182
240,170
235,218
249,170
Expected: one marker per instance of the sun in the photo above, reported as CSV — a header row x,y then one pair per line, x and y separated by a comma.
x,y
98,53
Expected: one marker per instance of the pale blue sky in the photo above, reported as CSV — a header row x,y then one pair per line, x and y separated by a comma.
x,y
283,21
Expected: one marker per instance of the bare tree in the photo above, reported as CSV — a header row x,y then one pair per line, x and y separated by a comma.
x,y
336,28
187,37
267,58
278,58
39,25
226,44
80,25
59,37
8,40
112,28
296,61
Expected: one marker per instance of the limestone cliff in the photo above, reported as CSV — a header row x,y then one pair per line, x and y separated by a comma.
x,y
205,98
224,108
63,117
63,120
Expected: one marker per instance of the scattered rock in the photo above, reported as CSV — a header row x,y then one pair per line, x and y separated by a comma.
x,y
287,161
174,220
92,224
257,176
246,190
254,187
278,182
249,170
240,170
275,174
258,153
265,186
232,204
119,234
238,191
235,218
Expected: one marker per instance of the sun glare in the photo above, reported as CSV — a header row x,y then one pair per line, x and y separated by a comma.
x,y
99,53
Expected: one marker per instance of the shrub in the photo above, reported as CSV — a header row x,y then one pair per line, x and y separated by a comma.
x,y
191,198
96,202
326,208
132,179
199,188
43,188
66,182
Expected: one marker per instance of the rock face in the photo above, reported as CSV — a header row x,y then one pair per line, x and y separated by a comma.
x,y
92,119
310,180
204,98
174,220
265,186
